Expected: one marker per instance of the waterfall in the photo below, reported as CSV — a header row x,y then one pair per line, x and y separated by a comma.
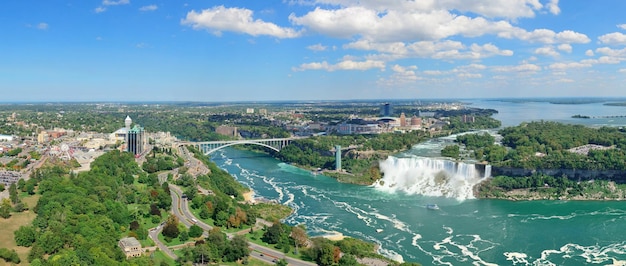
x,y
431,177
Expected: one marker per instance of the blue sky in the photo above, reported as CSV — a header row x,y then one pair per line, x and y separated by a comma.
x,y
130,50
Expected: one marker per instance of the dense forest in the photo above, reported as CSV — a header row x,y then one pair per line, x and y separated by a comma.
x,y
551,145
81,218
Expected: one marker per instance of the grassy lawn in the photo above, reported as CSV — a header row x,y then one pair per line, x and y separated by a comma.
x,y
251,262
159,257
8,226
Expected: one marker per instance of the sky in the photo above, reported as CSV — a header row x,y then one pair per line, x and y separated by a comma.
x,y
212,51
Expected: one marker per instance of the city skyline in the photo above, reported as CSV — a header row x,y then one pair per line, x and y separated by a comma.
x,y
126,50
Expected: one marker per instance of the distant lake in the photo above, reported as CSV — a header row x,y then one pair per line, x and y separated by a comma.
x,y
512,113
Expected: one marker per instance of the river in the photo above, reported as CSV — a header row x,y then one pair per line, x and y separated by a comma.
x,y
464,231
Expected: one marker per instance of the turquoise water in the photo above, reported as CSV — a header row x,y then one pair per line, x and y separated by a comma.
x,y
464,231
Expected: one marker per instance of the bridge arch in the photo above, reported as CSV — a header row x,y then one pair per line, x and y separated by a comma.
x,y
238,143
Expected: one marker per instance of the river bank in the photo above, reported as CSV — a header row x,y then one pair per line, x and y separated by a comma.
x,y
598,190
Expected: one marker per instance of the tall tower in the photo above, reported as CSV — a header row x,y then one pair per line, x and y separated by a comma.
x,y
402,120
127,123
338,157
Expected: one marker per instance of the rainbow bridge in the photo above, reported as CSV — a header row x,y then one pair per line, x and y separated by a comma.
x,y
208,147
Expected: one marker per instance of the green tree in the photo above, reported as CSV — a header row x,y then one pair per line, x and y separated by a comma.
x,y
183,236
237,249
171,227
5,208
20,184
195,231
452,151
13,193
348,260
25,236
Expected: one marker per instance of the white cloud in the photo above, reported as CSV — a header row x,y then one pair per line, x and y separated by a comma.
x,y
553,7
525,67
100,9
115,3
547,51
469,75
317,47
604,60
510,9
433,72
615,38
148,8
563,66
565,80
622,26
428,49
622,70
343,65
589,53
565,47
612,52
42,26
568,36
218,19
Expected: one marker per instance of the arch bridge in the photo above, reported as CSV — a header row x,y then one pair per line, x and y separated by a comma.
x,y
208,147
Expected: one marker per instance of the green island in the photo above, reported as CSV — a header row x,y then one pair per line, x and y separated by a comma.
x,y
549,160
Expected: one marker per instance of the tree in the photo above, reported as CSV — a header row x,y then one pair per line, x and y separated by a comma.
x,y
20,184
5,208
451,151
298,234
183,236
171,227
25,236
237,249
348,260
13,193
282,262
273,233
195,231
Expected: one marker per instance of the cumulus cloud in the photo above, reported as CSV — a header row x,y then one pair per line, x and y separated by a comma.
x,y
622,26
115,3
510,9
525,67
392,21
563,66
148,8
317,47
565,47
615,38
428,49
100,9
218,19
553,7
622,70
346,64
589,53
470,75
547,51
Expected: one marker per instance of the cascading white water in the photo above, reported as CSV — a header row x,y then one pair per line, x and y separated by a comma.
x,y
430,177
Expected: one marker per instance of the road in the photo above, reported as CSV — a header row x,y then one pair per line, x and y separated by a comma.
x,y
180,208
153,233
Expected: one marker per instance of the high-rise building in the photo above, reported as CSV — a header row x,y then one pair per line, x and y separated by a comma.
x,y
128,122
135,140
402,120
386,110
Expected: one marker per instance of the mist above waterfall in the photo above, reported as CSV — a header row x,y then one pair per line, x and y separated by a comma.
x,y
431,177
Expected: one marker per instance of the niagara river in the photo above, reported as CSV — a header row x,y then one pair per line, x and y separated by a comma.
x,y
464,230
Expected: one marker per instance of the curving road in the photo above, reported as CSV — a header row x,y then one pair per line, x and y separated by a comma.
x,y
180,208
